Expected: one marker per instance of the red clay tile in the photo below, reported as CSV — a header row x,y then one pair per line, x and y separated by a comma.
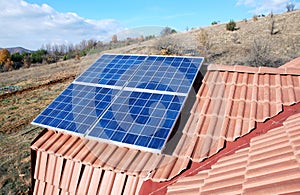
x,y
41,188
37,166
263,70
268,166
119,183
74,179
58,143
95,181
128,159
87,174
50,168
42,140
229,103
50,142
131,185
295,63
113,161
85,151
43,166
50,189
66,175
67,146
245,69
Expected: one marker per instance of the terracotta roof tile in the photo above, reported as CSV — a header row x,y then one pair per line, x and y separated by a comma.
x,y
229,103
67,177
292,64
269,166
40,142
231,100
188,185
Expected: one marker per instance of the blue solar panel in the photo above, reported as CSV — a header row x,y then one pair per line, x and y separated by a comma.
x,y
111,69
135,116
126,99
173,74
76,109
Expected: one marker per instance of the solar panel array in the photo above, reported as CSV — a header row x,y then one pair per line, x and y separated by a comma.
x,y
130,100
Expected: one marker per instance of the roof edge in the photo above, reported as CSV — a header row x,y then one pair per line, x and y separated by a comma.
x,y
291,64
259,70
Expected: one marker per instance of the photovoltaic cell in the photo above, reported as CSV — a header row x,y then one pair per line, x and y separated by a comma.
x,y
139,116
76,109
112,70
173,74
130,100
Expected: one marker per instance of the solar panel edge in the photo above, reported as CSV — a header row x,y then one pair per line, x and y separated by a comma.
x,y
59,130
200,65
121,144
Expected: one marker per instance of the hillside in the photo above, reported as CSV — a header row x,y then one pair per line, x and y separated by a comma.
x,y
25,92
236,47
20,50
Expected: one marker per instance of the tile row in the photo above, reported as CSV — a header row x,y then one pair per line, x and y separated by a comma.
x,y
269,166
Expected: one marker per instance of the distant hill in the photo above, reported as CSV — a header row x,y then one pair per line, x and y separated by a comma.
x,y
270,40
13,50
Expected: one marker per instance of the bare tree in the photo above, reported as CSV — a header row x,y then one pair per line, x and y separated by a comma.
x,y
290,6
114,39
48,48
260,54
91,44
204,43
83,44
167,31
63,49
168,46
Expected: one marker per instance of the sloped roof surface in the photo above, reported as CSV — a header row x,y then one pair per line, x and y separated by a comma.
x,y
292,64
229,103
271,165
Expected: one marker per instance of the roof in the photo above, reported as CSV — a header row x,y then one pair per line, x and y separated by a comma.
x,y
271,165
292,64
230,103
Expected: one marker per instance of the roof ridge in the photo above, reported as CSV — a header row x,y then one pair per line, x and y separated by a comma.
x,y
257,70
292,64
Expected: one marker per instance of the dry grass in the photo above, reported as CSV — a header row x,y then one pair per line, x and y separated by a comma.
x,y
19,109
15,160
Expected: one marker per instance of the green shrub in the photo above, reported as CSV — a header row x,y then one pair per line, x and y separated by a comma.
x,y
231,26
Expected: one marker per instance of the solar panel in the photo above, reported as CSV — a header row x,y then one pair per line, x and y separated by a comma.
x,y
174,74
112,70
139,118
75,109
129,100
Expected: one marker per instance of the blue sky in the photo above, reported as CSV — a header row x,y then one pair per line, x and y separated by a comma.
x,y
31,23
134,13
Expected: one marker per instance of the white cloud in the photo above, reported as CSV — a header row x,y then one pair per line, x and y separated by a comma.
x,y
266,6
31,25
